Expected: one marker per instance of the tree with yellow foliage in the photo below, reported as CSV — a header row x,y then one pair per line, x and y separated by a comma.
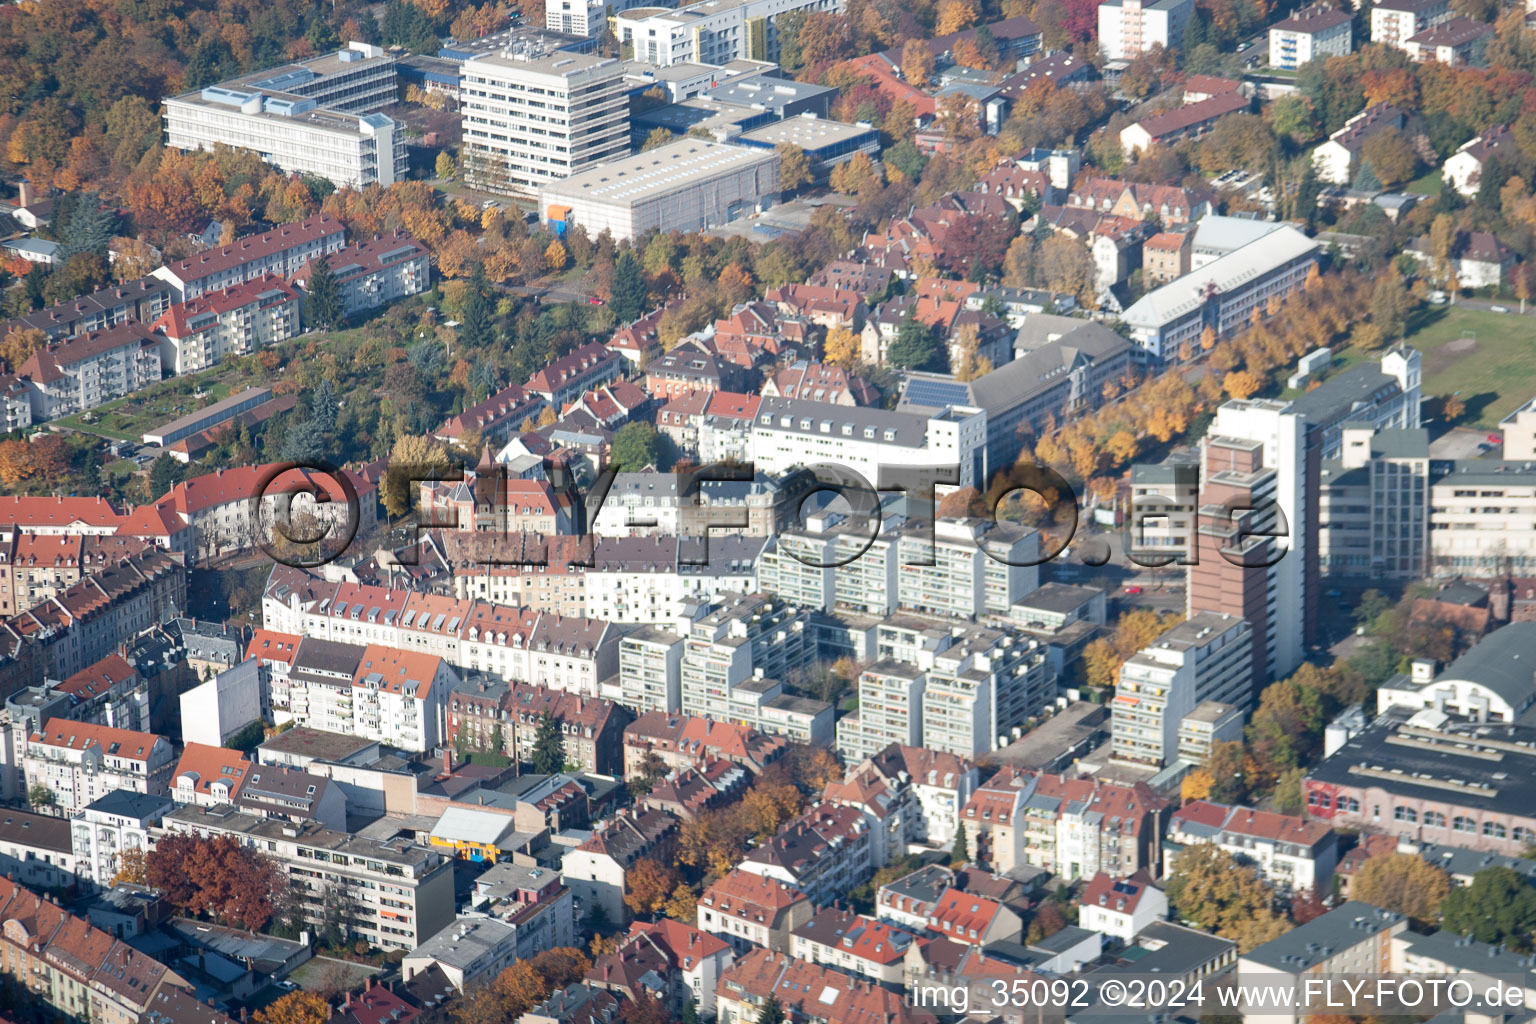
x,y
956,16
295,1008
1196,785
842,348
555,256
1242,383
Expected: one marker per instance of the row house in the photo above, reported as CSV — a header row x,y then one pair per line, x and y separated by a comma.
x,y
1168,205
202,332
374,273
569,377
808,993
639,342
207,776
90,370
828,305
56,515
219,513
282,251
596,871
394,893
87,620
565,653
36,567
824,852
35,850
690,741
504,718
686,793
497,418
968,918
142,300
854,944
749,910
1292,853
79,763
688,962
1078,827
484,501
820,382
1190,121
76,971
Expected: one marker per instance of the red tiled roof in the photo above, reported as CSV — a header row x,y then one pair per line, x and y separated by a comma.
x,y
208,764
45,365
253,247
267,290
61,732
963,917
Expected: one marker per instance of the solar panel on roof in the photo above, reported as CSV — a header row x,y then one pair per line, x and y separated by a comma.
x,y
936,393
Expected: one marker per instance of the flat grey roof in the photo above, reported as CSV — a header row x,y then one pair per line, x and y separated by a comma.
x,y
808,132
675,167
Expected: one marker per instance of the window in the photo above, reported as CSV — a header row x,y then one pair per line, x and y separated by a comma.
x,y
1407,814
1461,824
1493,829
1434,819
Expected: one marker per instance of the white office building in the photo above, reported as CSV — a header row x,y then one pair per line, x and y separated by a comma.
x,y
1206,657
313,117
687,185
531,119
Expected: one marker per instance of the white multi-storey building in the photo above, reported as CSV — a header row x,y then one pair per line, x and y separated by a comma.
x,y
79,763
1373,512
1314,32
1129,28
282,251
534,119
1206,657
116,824
395,893
712,31
90,370
982,689
376,272
313,117
203,332
791,432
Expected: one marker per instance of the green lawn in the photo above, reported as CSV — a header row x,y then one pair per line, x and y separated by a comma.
x,y
1489,359
1429,185
128,418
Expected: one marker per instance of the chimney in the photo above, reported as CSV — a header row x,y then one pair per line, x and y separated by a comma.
x,y
447,761
24,195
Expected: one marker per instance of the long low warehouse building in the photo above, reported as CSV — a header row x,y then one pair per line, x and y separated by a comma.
x,y
688,185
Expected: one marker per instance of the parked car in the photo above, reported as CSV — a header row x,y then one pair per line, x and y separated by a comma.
x,y
1498,309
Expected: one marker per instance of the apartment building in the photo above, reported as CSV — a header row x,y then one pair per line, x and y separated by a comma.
x,y
1313,32
395,893
373,273
690,741
74,970
90,370
736,646
116,824
790,432
393,696
981,689
1129,28
1167,322
1353,939
854,944
35,850
824,852
1208,656
533,119
1293,854
37,567
483,714
1394,22
281,252
218,513
80,762
317,116
1338,158
709,32
993,820
235,321
749,910
572,375
596,870
142,300
1374,512
810,992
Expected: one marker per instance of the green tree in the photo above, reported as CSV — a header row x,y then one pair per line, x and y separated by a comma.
x,y
164,474
1499,906
476,330
962,851
548,746
39,796
324,295
636,446
629,292
772,1012
917,347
